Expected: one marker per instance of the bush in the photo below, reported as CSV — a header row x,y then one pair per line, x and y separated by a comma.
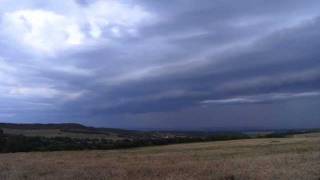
x,y
20,143
2,139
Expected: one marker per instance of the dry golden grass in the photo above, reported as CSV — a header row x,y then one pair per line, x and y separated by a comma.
x,y
290,158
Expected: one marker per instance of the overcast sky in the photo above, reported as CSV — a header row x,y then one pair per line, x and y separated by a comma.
x,y
169,64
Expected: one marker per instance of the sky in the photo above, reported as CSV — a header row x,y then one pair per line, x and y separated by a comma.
x,y
169,64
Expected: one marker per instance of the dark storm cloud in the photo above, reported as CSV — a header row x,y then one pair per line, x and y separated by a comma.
x,y
259,68
166,59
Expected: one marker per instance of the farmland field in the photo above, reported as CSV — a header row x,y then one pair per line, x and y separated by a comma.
x,y
297,157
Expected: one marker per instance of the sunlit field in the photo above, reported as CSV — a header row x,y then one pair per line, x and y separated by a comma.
x,y
297,157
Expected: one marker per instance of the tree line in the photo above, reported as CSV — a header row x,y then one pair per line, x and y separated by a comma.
x,y
20,143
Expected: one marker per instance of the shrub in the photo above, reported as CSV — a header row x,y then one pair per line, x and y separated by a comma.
x,y
2,139
20,143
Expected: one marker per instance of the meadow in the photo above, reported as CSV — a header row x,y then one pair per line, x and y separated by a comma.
x,y
296,157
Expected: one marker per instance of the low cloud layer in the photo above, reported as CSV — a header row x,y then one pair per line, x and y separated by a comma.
x,y
263,98
160,64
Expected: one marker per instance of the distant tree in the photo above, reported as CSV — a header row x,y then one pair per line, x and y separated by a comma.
x,y
2,140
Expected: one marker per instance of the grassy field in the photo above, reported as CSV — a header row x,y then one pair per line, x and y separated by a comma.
x,y
297,157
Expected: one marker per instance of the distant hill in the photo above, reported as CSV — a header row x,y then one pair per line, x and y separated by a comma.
x,y
64,126
43,126
75,130
72,130
70,136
